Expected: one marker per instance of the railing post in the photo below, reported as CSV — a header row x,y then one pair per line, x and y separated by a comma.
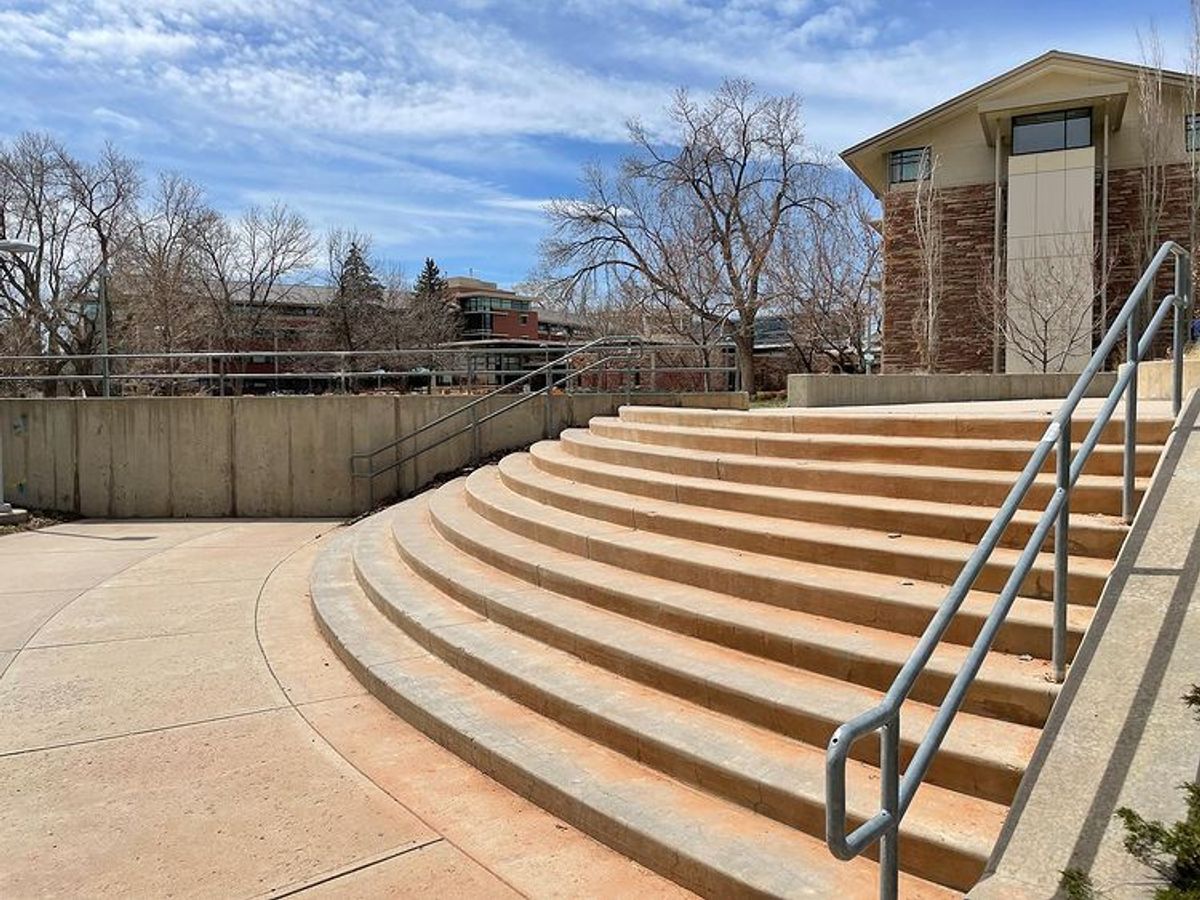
x,y
1129,469
1183,273
476,452
1062,543
889,790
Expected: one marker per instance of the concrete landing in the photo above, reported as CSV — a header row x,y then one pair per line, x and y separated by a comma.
x,y
1120,734
174,724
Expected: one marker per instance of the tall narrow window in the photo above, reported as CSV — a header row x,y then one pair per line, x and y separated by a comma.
x,y
1044,132
908,165
1191,131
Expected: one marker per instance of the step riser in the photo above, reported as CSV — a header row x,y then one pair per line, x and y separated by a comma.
x,y
1083,587
1030,708
934,861
949,771
918,486
1151,431
1105,460
1102,543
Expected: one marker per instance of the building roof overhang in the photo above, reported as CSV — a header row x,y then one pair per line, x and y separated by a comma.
x,y
994,109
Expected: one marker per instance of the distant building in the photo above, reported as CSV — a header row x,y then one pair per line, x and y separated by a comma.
x,y
1038,176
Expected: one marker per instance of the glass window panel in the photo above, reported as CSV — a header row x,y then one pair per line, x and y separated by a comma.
x,y
1049,131
1191,131
1079,130
907,165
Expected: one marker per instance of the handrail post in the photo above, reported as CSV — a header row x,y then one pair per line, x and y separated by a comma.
x,y
1131,391
1062,528
1183,293
889,789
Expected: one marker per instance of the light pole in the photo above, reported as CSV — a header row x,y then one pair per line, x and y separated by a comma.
x,y
103,297
7,513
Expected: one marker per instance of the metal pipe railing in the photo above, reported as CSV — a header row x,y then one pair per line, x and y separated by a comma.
x,y
898,789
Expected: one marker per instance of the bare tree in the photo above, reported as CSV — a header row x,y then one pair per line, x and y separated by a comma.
x,y
695,219
246,266
826,283
927,215
1153,136
78,215
1044,308
159,282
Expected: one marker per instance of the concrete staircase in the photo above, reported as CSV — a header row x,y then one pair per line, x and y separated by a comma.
x,y
651,627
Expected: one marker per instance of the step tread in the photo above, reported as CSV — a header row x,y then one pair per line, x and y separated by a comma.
x,y
644,722
651,514
590,537
865,655
964,424
782,501
1007,745
768,437
995,453
703,842
906,469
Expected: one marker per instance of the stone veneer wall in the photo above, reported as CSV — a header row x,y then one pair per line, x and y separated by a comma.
x,y
1124,227
967,218
965,331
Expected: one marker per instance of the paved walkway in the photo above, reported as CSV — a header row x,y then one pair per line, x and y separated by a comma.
x,y
174,725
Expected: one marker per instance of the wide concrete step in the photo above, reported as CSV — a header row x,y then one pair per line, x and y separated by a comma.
x,y
980,487
950,833
983,755
708,844
754,576
858,549
862,654
899,605
908,423
963,453
1091,535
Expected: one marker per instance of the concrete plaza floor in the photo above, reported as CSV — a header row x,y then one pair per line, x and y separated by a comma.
x,y
174,725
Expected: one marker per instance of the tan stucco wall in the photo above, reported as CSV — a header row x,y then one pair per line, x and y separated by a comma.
x,y
965,157
1051,211
255,456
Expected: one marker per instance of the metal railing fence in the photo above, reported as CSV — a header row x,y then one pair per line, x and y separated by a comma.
x,y
661,366
619,355
896,788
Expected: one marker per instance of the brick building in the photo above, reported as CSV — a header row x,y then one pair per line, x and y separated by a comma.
x,y
1021,202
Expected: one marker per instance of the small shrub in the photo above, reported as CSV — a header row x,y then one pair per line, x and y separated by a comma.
x,y
1172,851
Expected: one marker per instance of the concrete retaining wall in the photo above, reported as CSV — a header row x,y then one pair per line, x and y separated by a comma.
x,y
256,456
875,390
1155,378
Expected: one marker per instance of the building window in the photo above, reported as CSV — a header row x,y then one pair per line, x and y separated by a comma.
x,y
1191,131
523,318
1044,132
908,165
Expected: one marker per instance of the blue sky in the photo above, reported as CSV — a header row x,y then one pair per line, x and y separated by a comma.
x,y
441,127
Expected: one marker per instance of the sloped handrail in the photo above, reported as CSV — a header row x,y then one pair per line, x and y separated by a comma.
x,y
623,343
898,789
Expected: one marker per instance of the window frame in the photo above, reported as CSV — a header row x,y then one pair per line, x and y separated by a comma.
x,y
1191,132
1050,116
897,163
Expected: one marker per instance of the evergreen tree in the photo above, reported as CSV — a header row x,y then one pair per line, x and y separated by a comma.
x,y
357,300
431,318
430,283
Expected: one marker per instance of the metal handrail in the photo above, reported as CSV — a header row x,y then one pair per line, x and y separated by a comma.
x,y
898,789
626,342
